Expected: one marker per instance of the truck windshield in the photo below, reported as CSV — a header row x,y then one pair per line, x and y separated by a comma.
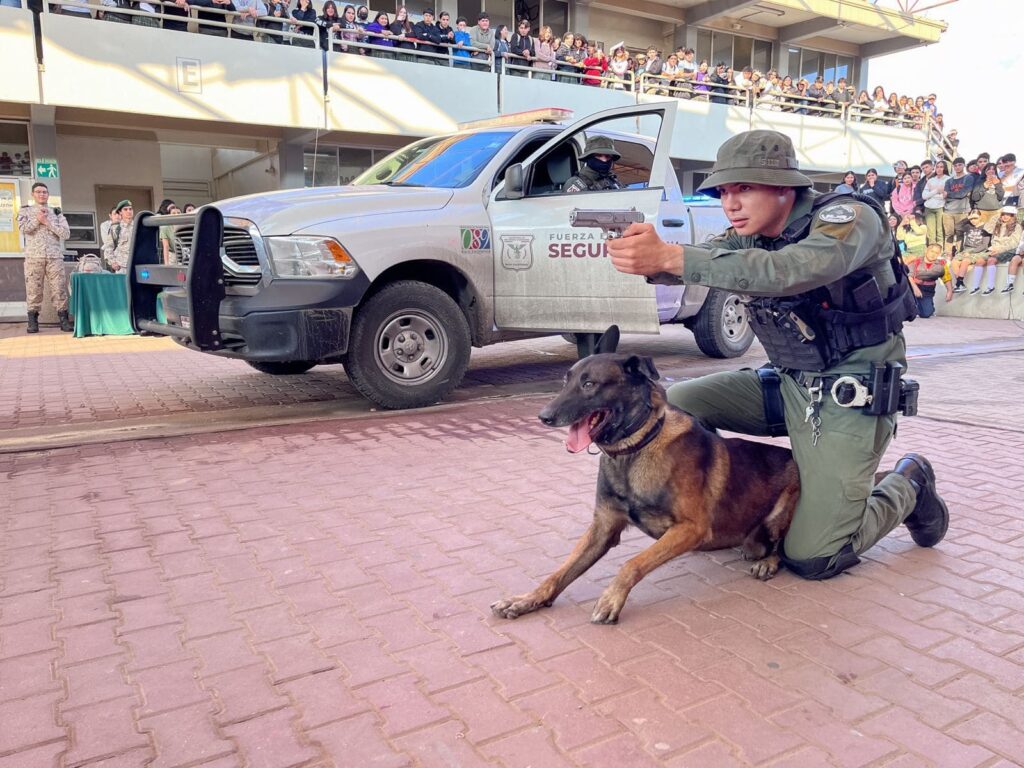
x,y
441,161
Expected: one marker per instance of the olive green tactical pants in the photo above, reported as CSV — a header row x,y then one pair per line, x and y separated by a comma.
x,y
839,501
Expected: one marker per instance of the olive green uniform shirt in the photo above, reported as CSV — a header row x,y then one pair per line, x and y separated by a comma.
x,y
830,251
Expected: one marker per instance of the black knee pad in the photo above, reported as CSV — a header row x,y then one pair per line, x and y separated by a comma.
x,y
817,568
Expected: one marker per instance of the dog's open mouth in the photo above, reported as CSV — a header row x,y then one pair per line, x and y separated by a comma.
x,y
582,433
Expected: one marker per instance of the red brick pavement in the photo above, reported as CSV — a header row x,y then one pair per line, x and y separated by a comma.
x,y
54,380
318,595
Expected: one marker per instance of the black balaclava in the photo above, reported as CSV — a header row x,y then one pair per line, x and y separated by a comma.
x,y
599,166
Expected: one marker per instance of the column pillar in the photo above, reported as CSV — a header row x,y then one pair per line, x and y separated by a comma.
x,y
289,159
579,17
42,132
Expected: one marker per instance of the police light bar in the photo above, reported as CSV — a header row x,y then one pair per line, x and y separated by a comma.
x,y
529,117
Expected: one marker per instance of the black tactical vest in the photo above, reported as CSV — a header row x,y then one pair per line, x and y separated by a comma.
x,y
816,330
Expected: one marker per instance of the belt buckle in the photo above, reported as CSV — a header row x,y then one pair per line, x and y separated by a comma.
x,y
861,395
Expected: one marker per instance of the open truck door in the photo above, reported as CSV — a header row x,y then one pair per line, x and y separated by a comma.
x,y
550,276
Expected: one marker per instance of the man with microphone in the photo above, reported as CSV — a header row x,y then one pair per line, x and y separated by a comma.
x,y
45,230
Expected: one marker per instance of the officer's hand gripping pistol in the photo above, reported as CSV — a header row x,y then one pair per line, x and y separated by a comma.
x,y
611,223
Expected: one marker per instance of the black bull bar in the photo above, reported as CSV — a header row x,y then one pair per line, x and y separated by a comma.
x,y
202,279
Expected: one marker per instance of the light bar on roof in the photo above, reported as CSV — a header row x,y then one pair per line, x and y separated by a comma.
x,y
529,117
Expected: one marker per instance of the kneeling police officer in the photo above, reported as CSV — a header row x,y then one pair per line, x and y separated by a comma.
x,y
596,174
828,299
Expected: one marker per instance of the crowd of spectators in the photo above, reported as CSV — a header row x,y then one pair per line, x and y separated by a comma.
x,y
541,53
954,224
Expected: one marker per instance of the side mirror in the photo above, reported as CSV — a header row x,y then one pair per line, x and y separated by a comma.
x,y
514,182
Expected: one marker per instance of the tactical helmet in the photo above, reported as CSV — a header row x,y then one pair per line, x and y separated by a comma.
x,y
755,157
600,145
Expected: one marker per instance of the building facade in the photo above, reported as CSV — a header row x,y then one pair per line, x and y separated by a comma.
x,y
102,111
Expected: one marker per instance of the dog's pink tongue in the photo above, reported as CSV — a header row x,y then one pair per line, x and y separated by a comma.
x,y
579,436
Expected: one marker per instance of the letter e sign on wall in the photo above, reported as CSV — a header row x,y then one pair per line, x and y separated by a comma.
x,y
190,76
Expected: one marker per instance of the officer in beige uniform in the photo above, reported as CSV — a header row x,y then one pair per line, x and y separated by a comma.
x,y
827,299
116,249
45,229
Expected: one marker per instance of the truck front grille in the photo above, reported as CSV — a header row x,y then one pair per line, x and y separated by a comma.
x,y
238,246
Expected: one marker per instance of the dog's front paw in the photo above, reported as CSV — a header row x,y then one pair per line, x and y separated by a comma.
x,y
765,568
608,607
513,607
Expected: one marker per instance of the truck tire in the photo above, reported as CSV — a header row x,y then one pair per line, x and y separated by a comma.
x,y
410,346
721,327
290,368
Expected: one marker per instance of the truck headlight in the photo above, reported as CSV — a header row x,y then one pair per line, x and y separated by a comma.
x,y
299,256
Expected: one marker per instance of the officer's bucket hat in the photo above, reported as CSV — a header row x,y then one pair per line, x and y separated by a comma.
x,y
755,157
600,145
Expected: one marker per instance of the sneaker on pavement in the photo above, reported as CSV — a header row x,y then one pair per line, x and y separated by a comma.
x,y
960,289
988,292
974,291
1007,289
929,520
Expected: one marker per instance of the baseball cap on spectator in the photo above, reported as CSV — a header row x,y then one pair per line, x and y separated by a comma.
x,y
1010,209
123,204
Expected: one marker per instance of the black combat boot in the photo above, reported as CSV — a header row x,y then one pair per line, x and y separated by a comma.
x,y
930,518
33,322
65,322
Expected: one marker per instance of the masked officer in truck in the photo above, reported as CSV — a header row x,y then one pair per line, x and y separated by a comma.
x,y
828,299
596,174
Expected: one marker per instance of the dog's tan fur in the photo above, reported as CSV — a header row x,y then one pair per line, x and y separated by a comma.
x,y
688,488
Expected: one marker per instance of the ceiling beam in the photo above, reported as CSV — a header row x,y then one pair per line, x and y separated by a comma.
x,y
713,9
810,28
889,45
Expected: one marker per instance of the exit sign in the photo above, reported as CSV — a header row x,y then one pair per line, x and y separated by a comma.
x,y
47,169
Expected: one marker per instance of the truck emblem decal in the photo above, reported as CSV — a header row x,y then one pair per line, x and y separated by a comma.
x,y
517,251
476,239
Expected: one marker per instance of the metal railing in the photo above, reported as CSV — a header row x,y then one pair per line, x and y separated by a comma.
x,y
511,64
682,86
284,30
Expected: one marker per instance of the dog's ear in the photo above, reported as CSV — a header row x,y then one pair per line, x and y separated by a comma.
x,y
641,368
608,342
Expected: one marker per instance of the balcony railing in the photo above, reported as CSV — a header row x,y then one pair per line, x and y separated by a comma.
x,y
400,91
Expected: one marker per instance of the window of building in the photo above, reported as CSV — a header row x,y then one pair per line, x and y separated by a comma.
x,y
352,162
555,14
83,229
810,65
337,165
844,68
721,48
792,63
743,53
321,168
15,159
762,56
703,49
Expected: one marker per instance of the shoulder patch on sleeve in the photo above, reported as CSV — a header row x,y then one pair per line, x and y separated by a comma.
x,y
839,213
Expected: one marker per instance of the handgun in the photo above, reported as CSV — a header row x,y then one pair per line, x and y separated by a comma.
x,y
611,223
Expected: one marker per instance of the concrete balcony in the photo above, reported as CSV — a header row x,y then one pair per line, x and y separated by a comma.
x,y
114,72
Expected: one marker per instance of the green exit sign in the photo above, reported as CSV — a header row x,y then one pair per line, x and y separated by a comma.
x,y
47,169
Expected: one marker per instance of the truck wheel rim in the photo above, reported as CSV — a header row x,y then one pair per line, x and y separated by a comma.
x,y
411,347
734,318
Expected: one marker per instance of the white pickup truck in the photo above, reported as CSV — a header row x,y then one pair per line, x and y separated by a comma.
x,y
453,242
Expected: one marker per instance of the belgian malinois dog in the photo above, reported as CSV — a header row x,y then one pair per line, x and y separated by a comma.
x,y
663,472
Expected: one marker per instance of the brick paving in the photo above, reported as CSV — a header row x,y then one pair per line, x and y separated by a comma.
x,y
317,595
55,380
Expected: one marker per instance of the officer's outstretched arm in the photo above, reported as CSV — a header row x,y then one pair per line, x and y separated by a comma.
x,y
641,251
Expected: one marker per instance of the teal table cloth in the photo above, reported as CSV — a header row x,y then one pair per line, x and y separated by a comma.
x,y
99,304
